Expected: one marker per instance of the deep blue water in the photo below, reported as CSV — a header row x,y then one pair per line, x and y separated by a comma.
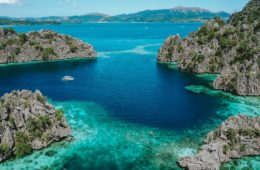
x,y
125,110
125,79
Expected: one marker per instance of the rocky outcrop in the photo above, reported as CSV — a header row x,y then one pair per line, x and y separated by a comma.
x,y
231,49
236,137
27,123
40,46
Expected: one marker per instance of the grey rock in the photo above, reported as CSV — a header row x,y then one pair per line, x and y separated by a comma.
x,y
7,138
242,138
244,27
43,45
30,115
2,32
230,49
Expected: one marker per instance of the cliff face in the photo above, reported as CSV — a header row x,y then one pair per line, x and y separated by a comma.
x,y
40,46
236,137
27,123
231,49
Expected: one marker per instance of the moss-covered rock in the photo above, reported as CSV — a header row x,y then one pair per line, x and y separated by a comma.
x,y
236,137
40,46
229,49
28,123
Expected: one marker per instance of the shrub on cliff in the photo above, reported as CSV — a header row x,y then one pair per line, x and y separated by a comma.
x,y
9,30
23,38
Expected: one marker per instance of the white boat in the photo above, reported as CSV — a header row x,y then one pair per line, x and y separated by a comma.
x,y
67,78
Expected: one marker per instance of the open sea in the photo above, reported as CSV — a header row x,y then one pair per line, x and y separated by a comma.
x,y
125,110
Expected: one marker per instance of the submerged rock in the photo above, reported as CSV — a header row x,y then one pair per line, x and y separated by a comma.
x,y
236,137
43,45
27,123
230,49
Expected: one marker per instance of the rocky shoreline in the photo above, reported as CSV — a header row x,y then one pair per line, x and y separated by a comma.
x,y
27,123
43,45
230,49
236,137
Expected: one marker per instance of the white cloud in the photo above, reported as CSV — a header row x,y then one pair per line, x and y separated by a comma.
x,y
8,2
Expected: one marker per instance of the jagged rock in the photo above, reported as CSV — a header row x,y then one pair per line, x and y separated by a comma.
x,y
2,32
216,26
236,137
43,45
244,27
29,123
230,49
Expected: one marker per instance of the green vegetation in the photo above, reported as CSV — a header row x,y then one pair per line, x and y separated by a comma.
x,y
203,31
38,47
47,52
4,149
226,43
17,50
59,114
32,43
228,32
41,98
22,146
11,122
226,149
35,34
37,125
2,46
249,132
257,27
23,38
244,52
231,136
9,30
220,21
23,149
214,63
170,52
212,35
73,48
11,41
242,147
49,35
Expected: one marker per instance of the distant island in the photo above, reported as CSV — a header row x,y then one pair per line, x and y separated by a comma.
x,y
177,14
6,21
230,49
43,45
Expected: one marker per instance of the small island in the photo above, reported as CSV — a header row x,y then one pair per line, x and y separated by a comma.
x,y
27,123
230,49
236,137
43,45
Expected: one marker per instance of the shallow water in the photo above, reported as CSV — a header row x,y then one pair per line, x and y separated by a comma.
x,y
125,110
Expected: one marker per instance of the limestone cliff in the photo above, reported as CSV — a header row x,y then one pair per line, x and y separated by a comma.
x,y
236,137
231,49
40,46
27,123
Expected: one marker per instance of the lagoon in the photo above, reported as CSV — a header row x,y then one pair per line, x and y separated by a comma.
x,y
125,110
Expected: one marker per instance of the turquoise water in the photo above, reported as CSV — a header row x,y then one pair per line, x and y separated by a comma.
x,y
125,110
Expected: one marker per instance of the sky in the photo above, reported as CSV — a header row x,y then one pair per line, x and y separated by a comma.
x,y
39,8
